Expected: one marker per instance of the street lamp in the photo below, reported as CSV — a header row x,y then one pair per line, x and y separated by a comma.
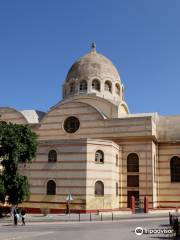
x,y
68,199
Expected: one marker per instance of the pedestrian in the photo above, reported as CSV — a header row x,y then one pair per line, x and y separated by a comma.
x,y
23,212
15,215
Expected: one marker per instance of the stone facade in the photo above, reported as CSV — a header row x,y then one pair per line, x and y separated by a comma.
x,y
103,154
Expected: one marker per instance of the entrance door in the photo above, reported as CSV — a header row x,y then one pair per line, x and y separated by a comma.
x,y
136,195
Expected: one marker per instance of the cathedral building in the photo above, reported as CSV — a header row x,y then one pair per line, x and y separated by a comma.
x,y
93,150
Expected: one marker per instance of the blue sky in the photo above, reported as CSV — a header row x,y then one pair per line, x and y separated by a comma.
x,y
40,39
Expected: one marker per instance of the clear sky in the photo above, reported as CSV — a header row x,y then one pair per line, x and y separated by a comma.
x,y
40,39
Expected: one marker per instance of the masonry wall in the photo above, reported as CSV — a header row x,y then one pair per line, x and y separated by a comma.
x,y
107,172
169,192
69,174
75,156
144,151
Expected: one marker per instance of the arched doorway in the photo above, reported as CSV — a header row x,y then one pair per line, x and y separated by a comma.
x,y
133,179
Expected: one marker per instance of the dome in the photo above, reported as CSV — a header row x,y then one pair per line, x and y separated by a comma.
x,y
93,64
93,74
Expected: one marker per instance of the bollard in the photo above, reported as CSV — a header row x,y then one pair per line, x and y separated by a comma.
x,y
101,217
112,217
170,219
90,217
146,205
79,217
132,204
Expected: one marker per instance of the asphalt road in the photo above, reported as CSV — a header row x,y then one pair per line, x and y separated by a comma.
x,y
123,230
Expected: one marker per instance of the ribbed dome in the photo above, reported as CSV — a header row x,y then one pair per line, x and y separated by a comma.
x,y
92,65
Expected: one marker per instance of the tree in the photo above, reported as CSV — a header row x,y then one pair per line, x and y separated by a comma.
x,y
2,190
18,144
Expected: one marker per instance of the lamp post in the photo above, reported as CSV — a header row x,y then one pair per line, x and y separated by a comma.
x,y
68,200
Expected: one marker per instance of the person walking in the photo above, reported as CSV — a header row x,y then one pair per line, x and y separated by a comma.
x,y
15,215
23,212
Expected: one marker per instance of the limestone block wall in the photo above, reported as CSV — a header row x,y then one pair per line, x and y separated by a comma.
x,y
169,192
107,172
92,124
69,174
168,128
144,151
75,170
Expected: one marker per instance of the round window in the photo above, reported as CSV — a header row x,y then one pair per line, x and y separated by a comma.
x,y
71,124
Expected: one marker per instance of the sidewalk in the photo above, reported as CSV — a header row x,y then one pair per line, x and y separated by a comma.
x,y
86,217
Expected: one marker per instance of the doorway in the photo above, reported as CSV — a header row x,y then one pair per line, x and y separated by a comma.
x,y
136,196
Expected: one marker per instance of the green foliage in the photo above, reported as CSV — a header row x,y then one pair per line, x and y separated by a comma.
x,y
18,144
17,190
2,190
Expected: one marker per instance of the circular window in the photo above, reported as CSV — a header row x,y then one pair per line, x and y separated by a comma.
x,y
71,124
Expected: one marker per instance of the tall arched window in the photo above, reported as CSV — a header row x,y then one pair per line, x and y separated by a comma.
x,y
83,86
96,84
99,156
51,188
133,162
52,156
72,88
108,86
99,188
175,169
117,89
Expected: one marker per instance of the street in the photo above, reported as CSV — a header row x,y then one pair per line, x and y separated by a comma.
x,y
122,229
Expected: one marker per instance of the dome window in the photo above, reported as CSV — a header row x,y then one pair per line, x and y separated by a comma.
x,y
72,88
117,89
96,84
71,124
83,86
108,86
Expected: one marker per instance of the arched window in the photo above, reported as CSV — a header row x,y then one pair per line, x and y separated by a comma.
x,y
96,84
117,189
133,162
175,169
99,156
52,156
83,86
99,188
72,88
108,86
51,188
117,89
